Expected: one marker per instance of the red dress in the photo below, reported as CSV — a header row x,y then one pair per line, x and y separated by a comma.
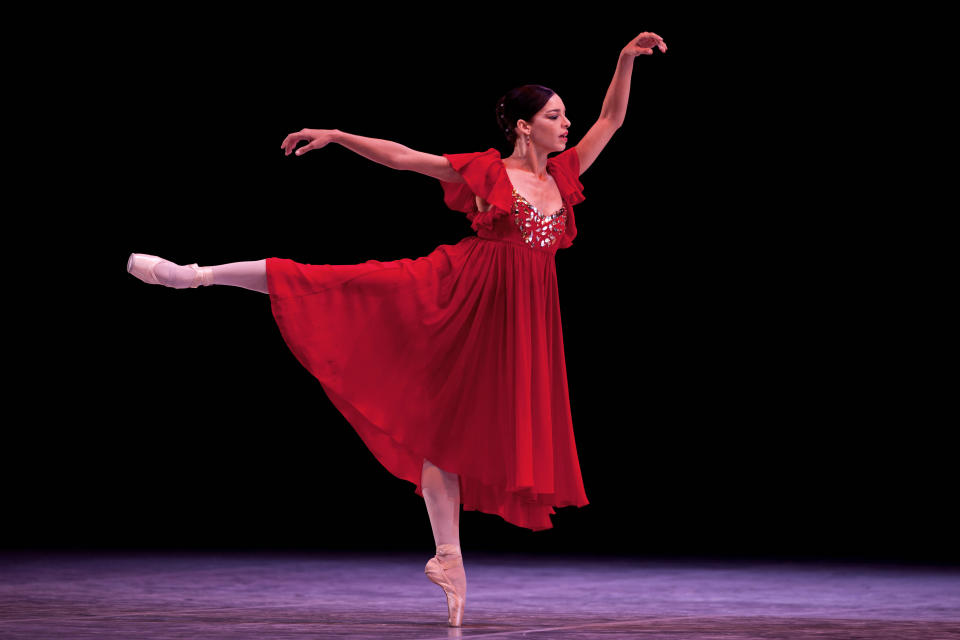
x,y
456,357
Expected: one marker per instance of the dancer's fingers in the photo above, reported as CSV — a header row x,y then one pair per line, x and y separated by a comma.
x,y
290,142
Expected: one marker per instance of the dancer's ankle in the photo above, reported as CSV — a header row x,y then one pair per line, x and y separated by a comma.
x,y
206,276
451,551
173,275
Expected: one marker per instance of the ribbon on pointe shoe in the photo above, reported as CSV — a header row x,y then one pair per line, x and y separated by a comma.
x,y
203,276
448,550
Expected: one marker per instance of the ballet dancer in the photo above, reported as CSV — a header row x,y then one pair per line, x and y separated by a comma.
x,y
482,419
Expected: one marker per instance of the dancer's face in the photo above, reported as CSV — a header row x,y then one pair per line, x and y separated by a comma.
x,y
549,124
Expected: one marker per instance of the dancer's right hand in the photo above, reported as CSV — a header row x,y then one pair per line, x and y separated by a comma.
x,y
317,139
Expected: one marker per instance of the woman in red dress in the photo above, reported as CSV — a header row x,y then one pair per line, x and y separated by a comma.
x,y
450,367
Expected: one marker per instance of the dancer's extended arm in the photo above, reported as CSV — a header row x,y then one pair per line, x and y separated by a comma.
x,y
615,103
385,152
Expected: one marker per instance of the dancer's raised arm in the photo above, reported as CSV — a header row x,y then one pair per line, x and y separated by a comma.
x,y
615,103
385,152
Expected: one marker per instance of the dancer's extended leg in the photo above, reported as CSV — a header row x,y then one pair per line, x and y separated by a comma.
x,y
248,275
441,492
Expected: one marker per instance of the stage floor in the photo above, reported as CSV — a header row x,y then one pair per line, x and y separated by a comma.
x,y
274,596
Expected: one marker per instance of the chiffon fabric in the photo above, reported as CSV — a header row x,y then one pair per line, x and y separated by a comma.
x,y
457,356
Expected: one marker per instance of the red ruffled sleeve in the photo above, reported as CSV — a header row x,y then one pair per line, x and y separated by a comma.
x,y
565,169
484,175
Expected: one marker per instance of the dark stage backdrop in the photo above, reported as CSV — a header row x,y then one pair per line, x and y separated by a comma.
x,y
741,377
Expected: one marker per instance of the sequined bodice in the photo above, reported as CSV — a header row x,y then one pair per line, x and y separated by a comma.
x,y
537,229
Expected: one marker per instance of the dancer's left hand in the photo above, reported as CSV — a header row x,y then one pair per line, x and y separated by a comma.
x,y
643,45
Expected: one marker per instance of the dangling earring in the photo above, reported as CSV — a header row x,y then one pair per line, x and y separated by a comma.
x,y
528,139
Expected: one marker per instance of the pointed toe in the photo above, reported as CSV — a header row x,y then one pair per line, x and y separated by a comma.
x,y
455,599
141,265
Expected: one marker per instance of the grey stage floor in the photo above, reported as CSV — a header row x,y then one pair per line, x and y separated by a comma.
x,y
215,595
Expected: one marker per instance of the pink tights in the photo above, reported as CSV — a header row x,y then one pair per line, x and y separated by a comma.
x,y
441,492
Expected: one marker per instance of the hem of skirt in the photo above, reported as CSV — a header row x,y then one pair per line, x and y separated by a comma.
x,y
538,520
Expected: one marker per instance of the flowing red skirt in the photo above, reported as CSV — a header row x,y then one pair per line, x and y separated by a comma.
x,y
456,357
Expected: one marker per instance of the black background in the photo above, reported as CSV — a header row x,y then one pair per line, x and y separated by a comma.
x,y
748,374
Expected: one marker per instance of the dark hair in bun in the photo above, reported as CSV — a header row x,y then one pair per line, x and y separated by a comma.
x,y
521,103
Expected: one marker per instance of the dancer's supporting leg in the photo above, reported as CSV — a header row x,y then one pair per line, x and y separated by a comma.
x,y
441,492
248,275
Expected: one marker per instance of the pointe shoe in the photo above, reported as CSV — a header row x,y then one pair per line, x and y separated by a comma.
x,y
435,571
142,266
